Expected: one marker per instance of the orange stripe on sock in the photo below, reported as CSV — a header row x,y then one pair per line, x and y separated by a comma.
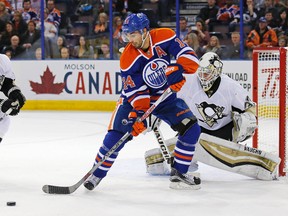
x,y
182,156
104,163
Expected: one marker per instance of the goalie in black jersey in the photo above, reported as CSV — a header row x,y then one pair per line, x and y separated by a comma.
x,y
223,110
13,99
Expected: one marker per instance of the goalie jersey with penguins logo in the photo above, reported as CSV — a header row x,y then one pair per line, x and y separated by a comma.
x,y
214,112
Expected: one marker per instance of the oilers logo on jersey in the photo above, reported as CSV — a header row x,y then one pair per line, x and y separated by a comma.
x,y
210,113
154,73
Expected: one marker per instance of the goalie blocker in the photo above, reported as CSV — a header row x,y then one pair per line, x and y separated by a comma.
x,y
224,155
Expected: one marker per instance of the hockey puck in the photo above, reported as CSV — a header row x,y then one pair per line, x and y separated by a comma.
x,y
11,203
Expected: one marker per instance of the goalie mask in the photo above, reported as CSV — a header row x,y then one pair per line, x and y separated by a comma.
x,y
210,68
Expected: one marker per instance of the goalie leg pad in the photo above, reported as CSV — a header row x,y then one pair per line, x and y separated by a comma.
x,y
236,158
155,164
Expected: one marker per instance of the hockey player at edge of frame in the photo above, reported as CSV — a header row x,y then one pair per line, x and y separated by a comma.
x,y
227,117
146,74
15,100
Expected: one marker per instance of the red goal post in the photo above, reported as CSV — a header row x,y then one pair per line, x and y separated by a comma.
x,y
270,94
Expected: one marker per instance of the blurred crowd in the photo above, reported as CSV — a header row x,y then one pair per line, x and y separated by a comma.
x,y
79,29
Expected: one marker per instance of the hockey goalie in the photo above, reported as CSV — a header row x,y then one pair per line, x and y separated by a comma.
x,y
227,117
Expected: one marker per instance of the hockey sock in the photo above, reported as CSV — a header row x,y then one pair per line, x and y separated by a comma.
x,y
185,147
110,139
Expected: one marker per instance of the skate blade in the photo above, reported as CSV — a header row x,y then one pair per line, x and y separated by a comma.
x,y
183,186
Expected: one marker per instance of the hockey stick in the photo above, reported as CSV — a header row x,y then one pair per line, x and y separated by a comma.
x,y
52,189
163,147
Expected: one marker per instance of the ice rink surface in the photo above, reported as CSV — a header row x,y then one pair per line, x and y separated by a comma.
x,y
58,148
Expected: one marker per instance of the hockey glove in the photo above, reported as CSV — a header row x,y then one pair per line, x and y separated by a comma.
x,y
175,78
245,125
9,107
15,94
137,127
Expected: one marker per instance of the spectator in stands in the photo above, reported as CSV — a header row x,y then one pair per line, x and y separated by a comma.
x,y
282,41
213,46
117,39
31,38
183,24
4,15
50,34
8,53
20,25
282,23
6,35
233,51
105,52
202,33
271,22
54,14
228,14
17,51
38,53
261,36
268,5
192,40
64,52
127,6
102,23
56,48
208,14
83,50
50,30
117,26
28,13
7,5
250,13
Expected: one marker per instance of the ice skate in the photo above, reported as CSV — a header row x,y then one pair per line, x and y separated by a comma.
x,y
92,182
181,181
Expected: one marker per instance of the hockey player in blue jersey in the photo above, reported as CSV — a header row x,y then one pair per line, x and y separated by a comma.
x,y
146,73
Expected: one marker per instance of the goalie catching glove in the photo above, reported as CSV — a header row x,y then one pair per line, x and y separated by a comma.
x,y
175,78
245,125
9,107
137,127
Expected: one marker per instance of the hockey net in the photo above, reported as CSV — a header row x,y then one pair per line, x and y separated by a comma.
x,y
269,92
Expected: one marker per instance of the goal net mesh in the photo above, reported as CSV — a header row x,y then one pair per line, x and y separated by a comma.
x,y
268,93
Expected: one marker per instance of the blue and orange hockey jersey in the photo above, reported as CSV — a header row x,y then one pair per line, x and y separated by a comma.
x,y
143,73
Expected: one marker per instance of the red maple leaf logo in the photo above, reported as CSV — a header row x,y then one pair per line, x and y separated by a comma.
x,y
47,85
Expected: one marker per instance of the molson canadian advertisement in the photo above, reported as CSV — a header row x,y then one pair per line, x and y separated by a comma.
x,y
88,85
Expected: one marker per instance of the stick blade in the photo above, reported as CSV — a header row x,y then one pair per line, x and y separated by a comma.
x,y
50,189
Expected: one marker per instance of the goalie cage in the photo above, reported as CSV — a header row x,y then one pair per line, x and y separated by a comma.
x,y
270,94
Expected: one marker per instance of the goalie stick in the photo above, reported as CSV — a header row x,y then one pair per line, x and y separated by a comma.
x,y
163,147
53,189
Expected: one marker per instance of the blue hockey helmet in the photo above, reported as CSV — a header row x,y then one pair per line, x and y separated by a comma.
x,y
135,22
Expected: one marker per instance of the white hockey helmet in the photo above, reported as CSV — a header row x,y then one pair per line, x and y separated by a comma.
x,y
210,68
